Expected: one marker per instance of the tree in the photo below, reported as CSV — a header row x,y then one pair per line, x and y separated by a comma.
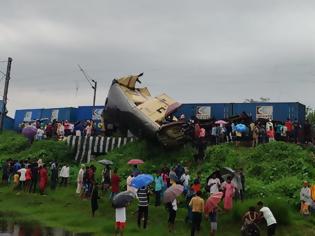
x,y
310,115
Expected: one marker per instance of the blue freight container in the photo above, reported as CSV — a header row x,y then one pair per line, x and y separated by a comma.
x,y
206,110
86,113
8,123
279,111
26,115
59,114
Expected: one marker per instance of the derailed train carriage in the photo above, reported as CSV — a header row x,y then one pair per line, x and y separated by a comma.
x,y
133,108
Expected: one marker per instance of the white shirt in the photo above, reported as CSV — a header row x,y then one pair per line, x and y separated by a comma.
x,y
120,214
284,131
270,219
269,126
305,195
128,182
185,179
64,172
22,174
215,183
174,204
40,133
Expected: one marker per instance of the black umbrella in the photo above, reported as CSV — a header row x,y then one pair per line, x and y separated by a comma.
x,y
123,199
105,162
226,171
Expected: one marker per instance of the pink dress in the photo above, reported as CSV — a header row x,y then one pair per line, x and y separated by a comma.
x,y
228,196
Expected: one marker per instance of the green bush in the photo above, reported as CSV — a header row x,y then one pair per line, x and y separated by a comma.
x,y
11,143
48,150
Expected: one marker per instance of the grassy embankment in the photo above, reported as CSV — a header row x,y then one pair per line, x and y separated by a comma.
x,y
274,174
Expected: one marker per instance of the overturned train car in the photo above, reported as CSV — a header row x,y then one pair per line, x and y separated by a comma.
x,y
133,108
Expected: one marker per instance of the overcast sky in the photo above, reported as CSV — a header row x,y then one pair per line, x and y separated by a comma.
x,y
195,51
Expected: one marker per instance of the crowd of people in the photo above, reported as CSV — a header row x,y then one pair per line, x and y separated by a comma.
x,y
33,176
261,131
61,129
232,185
249,132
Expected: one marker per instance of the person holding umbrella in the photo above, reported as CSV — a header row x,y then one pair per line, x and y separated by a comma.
x,y
120,215
141,182
171,203
211,209
120,202
197,204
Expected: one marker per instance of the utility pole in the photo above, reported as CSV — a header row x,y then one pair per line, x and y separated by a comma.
x,y
5,93
94,88
94,85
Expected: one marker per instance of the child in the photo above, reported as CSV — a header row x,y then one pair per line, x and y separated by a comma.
x,y
120,214
16,180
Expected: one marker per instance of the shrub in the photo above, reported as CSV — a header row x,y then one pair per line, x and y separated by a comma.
x,y
11,143
48,150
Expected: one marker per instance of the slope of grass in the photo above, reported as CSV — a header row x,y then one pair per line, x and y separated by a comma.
x,y
16,146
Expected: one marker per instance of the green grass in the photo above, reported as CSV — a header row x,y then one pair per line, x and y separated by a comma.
x,y
63,209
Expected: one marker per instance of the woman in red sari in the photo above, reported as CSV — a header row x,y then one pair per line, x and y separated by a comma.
x,y
43,179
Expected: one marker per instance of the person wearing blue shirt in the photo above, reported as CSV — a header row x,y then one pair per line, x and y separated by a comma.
x,y
17,166
158,185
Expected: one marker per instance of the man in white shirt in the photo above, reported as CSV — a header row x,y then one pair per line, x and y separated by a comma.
x,y
64,175
265,212
22,179
214,184
305,194
185,178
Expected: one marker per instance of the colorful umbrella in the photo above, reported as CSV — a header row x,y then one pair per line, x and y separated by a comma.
x,y
142,180
221,122
123,199
135,162
29,132
240,128
105,162
213,201
172,192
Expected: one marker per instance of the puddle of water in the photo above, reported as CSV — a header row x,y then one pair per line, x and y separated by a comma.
x,y
28,229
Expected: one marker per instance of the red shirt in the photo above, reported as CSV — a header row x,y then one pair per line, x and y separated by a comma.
x,y
271,133
196,187
288,124
115,180
28,174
